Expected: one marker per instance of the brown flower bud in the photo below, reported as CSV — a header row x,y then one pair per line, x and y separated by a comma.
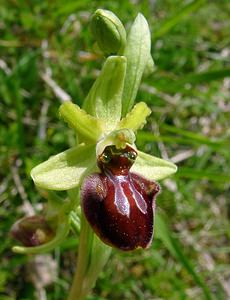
x,y
32,231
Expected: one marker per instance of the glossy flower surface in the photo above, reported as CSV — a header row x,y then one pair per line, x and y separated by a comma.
x,y
119,204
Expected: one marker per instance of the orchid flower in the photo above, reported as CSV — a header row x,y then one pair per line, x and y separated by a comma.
x,y
107,178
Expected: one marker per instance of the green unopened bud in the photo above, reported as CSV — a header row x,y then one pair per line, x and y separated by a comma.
x,y
108,31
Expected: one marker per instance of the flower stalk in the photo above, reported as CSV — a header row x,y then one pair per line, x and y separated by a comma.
x,y
79,288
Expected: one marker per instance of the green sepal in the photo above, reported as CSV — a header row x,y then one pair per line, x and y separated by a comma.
x,y
151,167
65,170
136,118
137,52
61,233
88,127
104,98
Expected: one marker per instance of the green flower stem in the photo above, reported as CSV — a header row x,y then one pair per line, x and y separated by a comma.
x,y
75,222
99,256
92,256
74,197
79,289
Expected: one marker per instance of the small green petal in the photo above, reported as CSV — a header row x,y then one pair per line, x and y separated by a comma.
x,y
65,170
104,98
86,125
136,118
152,168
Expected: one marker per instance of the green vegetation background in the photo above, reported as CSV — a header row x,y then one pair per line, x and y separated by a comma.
x,y
189,96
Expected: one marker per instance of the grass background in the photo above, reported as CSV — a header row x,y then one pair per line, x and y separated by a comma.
x,y
189,96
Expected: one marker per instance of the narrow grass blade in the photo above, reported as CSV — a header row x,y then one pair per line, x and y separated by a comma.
x,y
171,85
70,7
196,136
173,245
175,19
144,136
201,174
204,77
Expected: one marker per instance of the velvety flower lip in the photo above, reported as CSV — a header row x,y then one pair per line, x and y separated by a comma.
x,y
118,204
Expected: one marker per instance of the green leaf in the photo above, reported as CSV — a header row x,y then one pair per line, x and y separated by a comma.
x,y
88,127
137,52
65,170
136,118
152,168
104,98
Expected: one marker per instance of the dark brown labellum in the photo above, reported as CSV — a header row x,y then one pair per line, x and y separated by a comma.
x,y
118,204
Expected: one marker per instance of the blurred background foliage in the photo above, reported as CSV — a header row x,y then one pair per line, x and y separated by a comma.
x,y
46,45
